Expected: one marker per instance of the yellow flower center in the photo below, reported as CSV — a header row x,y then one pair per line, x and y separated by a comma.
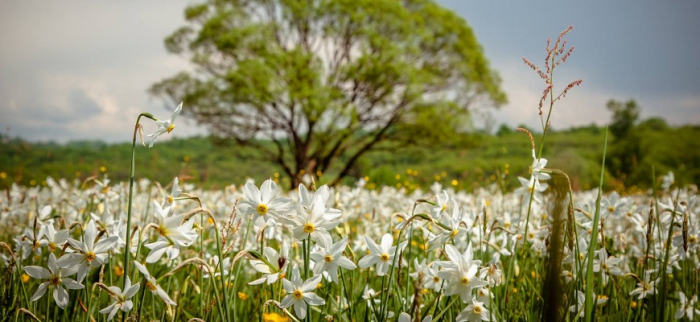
x,y
477,309
464,280
384,257
170,199
328,259
262,209
455,232
309,228
171,128
444,207
611,209
55,280
90,256
25,278
243,296
298,294
436,279
150,286
162,231
119,271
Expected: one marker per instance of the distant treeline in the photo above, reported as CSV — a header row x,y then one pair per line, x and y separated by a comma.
x,y
477,161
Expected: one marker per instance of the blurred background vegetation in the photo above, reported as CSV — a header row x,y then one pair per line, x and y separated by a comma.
x,y
469,161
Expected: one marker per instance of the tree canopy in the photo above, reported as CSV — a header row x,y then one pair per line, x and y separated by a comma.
x,y
313,82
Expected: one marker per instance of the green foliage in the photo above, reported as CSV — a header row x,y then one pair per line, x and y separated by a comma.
x,y
473,162
329,80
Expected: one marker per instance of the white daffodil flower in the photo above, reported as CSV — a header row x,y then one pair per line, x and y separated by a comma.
x,y
174,193
31,241
330,256
56,278
152,284
314,222
277,260
474,312
89,254
306,200
579,307
431,280
300,293
405,317
646,287
537,167
164,126
441,205
55,239
452,221
687,307
382,255
121,300
173,235
263,202
459,273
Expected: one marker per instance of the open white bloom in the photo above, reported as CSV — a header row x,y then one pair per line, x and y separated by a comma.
x,y
529,187
580,306
382,255
646,287
173,235
314,222
452,221
31,241
174,193
89,254
152,284
405,317
608,265
276,264
459,273
687,307
121,300
306,199
330,256
475,311
537,166
441,205
56,277
214,264
55,239
263,202
300,293
164,126
431,280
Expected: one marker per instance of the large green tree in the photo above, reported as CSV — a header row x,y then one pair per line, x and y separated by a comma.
x,y
625,150
316,81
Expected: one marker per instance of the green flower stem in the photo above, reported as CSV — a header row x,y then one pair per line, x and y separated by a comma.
x,y
590,301
238,269
131,195
307,255
391,275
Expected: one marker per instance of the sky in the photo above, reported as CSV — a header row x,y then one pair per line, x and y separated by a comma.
x,y
80,70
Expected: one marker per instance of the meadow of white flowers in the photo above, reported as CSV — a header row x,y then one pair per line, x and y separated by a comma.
x,y
141,251
343,253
